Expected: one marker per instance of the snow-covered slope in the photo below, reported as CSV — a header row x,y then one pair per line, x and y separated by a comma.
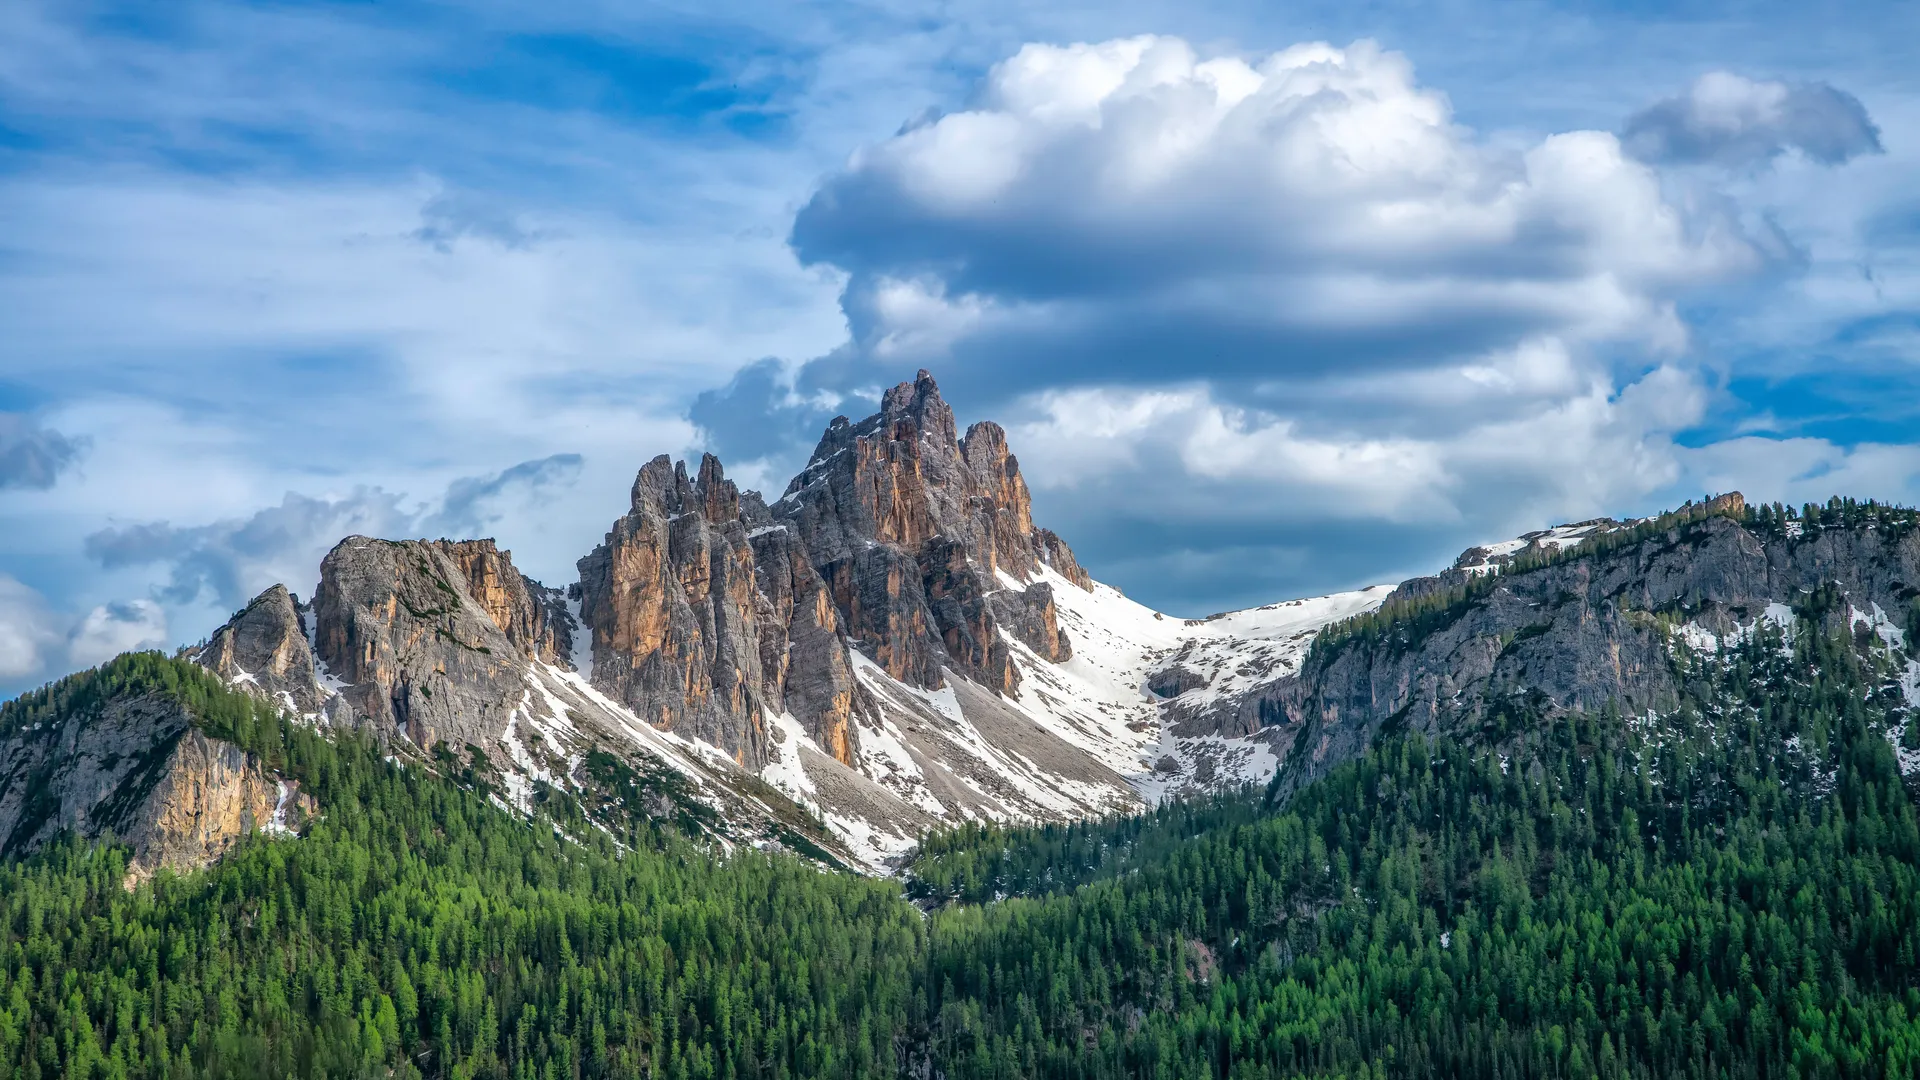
x,y
1084,737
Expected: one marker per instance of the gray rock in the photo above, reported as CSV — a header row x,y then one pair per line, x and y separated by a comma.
x,y
1583,633
532,616
913,527
135,767
264,649
421,656
671,601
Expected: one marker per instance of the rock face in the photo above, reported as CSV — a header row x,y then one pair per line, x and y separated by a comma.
x,y
710,612
919,533
1581,633
807,669
209,795
137,768
533,617
672,602
266,648
420,653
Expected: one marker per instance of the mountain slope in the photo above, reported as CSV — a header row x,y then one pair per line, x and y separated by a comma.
x,y
891,645
1736,895
1733,890
1594,623
121,752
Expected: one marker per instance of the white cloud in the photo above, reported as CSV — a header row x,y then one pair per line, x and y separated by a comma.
x,y
1802,470
1179,450
231,560
37,642
1315,192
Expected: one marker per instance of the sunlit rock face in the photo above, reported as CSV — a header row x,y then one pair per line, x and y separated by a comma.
x,y
135,768
919,531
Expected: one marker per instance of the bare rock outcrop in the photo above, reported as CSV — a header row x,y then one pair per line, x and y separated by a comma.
x,y
532,616
1585,632
918,531
209,794
135,767
804,661
265,650
418,652
671,601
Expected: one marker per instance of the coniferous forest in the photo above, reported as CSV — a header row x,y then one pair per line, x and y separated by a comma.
x,y
1728,890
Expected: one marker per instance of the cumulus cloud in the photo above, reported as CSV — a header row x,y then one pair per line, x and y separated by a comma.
x,y
1801,470
1225,301
231,560
32,456
1106,209
1183,449
1726,119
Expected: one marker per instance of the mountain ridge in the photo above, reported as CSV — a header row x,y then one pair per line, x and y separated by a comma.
x,y
891,644
894,645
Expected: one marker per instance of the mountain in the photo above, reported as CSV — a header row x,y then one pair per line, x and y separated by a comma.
x,y
126,754
1618,799
894,645
1727,887
1590,617
891,645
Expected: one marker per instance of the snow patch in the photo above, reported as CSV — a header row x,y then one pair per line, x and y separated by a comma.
x,y
580,640
277,824
784,768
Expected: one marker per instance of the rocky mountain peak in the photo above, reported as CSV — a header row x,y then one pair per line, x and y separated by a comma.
x,y
533,617
266,644
429,637
916,531
670,599
919,404
796,639
665,489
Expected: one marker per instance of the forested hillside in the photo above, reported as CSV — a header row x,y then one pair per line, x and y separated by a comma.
x,y
1728,890
419,928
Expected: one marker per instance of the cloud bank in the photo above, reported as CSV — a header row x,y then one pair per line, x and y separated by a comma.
x,y
1256,293
1121,205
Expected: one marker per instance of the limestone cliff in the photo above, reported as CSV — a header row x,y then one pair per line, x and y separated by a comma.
x,y
920,533
533,617
266,649
444,648
418,653
209,794
135,767
1582,630
672,603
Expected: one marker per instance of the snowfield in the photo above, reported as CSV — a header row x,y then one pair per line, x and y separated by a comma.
x,y
1081,738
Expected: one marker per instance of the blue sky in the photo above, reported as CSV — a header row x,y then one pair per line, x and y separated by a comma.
x,y
1273,301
